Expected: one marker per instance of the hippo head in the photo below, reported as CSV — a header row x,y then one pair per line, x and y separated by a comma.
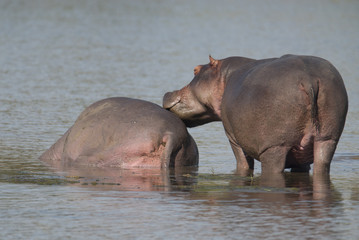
x,y
199,102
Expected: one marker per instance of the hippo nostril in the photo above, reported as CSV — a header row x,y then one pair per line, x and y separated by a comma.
x,y
170,100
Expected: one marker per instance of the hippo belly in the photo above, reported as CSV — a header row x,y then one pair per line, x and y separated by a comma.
x,y
124,132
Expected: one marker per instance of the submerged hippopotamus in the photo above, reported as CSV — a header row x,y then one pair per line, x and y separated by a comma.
x,y
286,112
124,132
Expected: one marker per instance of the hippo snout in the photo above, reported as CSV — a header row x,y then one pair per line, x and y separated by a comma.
x,y
170,99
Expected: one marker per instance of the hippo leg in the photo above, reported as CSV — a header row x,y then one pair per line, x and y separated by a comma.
x,y
172,151
323,154
273,159
166,155
245,164
321,187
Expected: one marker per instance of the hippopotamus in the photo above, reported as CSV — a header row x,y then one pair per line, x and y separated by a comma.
x,y
124,132
286,112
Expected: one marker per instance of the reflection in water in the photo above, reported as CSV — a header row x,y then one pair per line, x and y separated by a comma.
x,y
134,179
282,205
288,203
286,188
280,189
293,204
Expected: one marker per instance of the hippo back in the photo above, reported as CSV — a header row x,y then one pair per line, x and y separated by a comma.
x,y
125,132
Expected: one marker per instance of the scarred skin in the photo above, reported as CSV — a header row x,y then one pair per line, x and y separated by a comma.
x,y
127,133
286,112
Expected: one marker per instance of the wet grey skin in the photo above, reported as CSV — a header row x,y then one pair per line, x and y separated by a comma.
x,y
127,133
286,112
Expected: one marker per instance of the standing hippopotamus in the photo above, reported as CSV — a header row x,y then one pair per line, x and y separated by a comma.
x,y
286,112
124,132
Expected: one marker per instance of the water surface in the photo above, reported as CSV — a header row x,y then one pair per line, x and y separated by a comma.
x,y
57,57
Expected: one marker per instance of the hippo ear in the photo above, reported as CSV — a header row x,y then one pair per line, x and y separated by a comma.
x,y
213,62
197,69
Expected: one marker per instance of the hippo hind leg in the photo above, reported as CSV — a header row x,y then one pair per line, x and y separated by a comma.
x,y
178,153
273,159
323,154
169,152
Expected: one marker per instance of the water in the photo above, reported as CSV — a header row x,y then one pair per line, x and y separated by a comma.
x,y
57,57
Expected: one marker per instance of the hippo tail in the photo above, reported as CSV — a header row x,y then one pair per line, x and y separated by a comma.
x,y
313,97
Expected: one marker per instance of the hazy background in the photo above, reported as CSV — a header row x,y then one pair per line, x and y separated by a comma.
x,y
57,57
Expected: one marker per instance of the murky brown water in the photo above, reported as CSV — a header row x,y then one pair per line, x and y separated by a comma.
x,y
57,57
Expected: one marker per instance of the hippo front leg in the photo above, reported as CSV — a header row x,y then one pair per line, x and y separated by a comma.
x,y
245,164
